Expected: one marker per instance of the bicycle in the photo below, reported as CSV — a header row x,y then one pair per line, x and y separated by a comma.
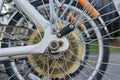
x,y
52,39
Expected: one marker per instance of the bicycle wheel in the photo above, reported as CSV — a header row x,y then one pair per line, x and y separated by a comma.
x,y
77,62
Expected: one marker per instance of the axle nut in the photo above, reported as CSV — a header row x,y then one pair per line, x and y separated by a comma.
x,y
54,45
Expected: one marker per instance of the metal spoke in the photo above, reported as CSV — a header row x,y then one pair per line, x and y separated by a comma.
x,y
64,71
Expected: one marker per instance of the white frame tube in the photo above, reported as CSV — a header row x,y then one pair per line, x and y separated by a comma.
x,y
23,50
32,13
1,4
40,47
37,18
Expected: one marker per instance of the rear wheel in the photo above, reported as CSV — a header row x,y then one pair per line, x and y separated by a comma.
x,y
78,62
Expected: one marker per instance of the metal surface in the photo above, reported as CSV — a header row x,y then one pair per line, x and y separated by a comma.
x,y
40,21
117,5
32,13
38,61
1,4
53,17
37,48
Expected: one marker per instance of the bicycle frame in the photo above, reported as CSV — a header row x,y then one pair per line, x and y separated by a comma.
x,y
34,15
60,62
1,4
40,21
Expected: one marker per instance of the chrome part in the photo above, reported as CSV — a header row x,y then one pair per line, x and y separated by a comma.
x,y
1,4
105,27
16,71
117,5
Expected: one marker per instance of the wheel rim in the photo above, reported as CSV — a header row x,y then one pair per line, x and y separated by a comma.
x,y
96,67
81,53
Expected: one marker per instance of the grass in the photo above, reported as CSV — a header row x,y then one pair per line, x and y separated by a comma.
x,y
115,42
114,49
94,48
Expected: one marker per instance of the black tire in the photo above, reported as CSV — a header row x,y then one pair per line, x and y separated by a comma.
x,y
102,68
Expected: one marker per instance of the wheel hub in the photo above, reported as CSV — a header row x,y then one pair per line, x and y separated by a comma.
x,y
57,64
54,45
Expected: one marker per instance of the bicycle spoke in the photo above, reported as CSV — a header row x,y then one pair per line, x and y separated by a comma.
x,y
87,56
